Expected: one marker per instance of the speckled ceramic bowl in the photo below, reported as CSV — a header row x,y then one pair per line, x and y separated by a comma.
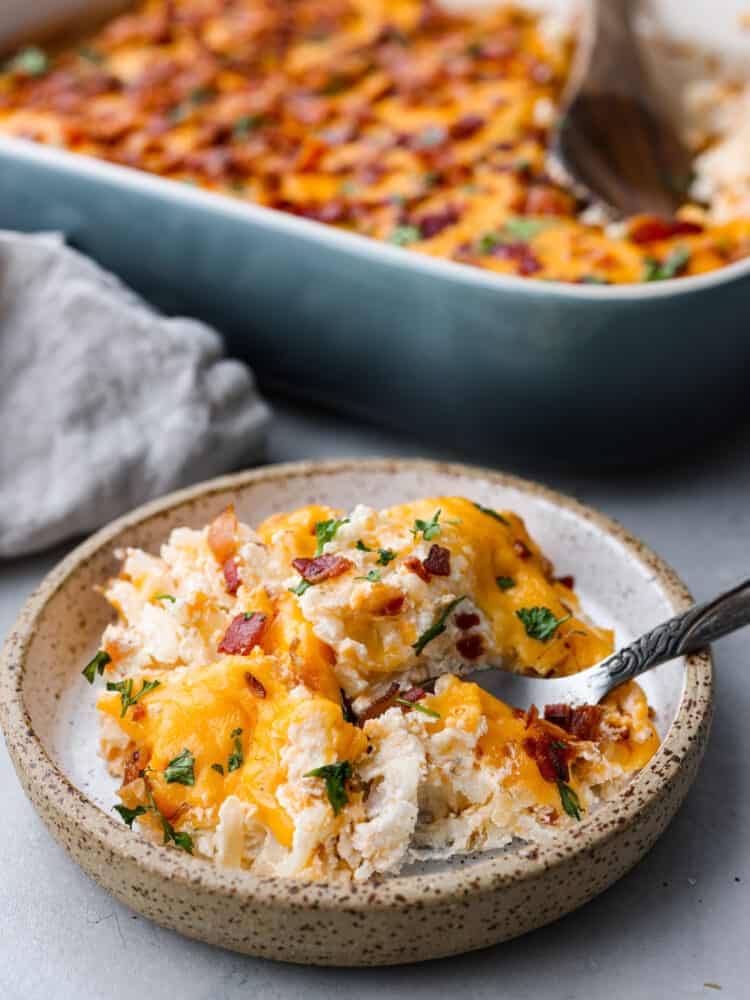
x,y
47,714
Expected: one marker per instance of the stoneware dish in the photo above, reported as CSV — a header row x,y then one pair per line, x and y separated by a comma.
x,y
503,366
47,714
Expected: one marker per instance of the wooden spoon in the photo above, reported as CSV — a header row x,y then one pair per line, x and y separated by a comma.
x,y
613,144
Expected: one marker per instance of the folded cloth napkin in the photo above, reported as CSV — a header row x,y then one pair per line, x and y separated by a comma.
x,y
104,403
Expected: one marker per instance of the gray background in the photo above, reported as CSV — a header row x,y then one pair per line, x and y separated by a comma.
x,y
679,921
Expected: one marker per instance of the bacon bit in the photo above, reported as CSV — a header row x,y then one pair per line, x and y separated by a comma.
x,y
567,581
550,755
255,685
380,705
321,567
415,565
548,816
581,722
138,761
521,253
414,694
348,710
392,606
470,646
222,535
648,228
434,223
466,126
466,620
521,549
531,716
243,634
231,576
543,199
518,713
438,561
139,712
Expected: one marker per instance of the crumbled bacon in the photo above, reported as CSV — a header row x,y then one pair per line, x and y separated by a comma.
x,y
255,685
138,761
521,253
543,199
551,755
222,535
414,694
244,633
521,549
438,561
139,712
231,576
649,228
392,606
435,222
415,565
567,581
466,620
321,567
466,126
380,705
470,646
581,722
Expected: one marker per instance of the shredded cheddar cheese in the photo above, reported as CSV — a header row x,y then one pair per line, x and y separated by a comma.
x,y
286,731
394,119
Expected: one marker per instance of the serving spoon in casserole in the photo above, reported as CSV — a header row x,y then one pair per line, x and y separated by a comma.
x,y
689,632
614,144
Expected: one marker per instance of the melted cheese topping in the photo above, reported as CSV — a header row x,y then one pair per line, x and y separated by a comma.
x,y
459,772
394,119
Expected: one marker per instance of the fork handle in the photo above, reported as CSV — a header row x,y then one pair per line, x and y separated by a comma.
x,y
686,633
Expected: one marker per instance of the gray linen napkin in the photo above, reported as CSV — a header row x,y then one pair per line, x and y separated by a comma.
x,y
103,402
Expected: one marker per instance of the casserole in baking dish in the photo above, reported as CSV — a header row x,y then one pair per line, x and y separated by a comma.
x,y
387,324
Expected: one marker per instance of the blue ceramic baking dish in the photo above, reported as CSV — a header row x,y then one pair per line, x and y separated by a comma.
x,y
500,367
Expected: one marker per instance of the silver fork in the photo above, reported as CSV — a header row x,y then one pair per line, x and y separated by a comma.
x,y
686,633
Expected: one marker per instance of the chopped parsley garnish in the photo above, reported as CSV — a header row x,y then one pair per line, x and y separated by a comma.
x,y
505,582
181,770
335,777
570,801
361,546
128,815
219,768
402,236
438,628
32,61
417,707
183,840
540,623
385,556
165,597
525,229
245,125
300,588
429,529
670,267
325,531
96,665
236,758
372,577
125,688
491,513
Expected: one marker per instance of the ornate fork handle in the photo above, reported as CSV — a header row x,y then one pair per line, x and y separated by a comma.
x,y
686,633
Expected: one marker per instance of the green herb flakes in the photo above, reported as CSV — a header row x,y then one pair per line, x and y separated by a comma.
x,y
418,708
181,770
492,513
219,768
128,815
125,689
237,757
325,531
438,628
96,665
402,236
372,577
505,582
32,61
670,267
335,777
570,801
385,556
540,623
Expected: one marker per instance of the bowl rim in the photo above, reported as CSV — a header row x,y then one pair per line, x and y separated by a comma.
x,y
365,248
381,893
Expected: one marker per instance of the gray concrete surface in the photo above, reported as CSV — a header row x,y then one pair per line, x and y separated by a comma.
x,y
677,926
